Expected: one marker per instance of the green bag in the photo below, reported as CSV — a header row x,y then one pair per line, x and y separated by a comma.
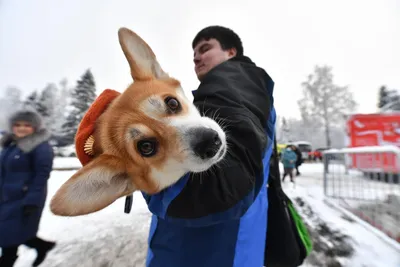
x,y
301,229
288,242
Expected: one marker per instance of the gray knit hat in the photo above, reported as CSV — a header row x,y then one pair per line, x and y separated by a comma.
x,y
31,117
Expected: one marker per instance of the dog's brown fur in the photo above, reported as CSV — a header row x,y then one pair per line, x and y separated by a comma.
x,y
117,169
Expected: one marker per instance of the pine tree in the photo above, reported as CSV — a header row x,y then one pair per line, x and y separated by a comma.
x,y
383,96
388,100
82,97
60,113
31,101
46,105
395,100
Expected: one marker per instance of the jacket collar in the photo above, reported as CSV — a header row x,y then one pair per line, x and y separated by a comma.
x,y
28,143
243,59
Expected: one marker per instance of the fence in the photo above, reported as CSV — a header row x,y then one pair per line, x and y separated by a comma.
x,y
365,181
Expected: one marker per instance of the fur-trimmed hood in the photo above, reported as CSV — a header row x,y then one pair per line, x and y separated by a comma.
x,y
30,116
28,143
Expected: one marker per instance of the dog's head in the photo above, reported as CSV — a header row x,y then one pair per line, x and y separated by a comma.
x,y
149,137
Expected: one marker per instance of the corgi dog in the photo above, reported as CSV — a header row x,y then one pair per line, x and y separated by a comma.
x,y
148,137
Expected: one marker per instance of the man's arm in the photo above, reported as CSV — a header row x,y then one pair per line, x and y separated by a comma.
x,y
226,191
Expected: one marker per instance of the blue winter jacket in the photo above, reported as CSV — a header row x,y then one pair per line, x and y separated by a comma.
x,y
289,158
24,171
221,220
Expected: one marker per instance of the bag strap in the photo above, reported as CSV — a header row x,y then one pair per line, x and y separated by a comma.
x,y
274,179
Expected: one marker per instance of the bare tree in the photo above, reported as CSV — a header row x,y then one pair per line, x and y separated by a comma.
x,y
285,131
324,102
10,103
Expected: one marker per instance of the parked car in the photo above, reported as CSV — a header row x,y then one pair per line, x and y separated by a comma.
x,y
317,154
279,148
65,151
304,147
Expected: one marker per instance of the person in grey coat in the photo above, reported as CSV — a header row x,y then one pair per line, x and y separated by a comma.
x,y
26,161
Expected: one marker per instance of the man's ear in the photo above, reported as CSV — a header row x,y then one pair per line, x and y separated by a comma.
x,y
232,52
92,188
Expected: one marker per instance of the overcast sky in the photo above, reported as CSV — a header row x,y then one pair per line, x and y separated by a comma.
x,y
43,41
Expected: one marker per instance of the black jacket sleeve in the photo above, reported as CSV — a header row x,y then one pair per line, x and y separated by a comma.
x,y
235,95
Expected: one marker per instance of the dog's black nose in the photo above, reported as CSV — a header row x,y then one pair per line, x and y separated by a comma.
x,y
205,143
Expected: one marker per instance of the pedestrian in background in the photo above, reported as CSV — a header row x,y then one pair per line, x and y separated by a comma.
x,y
299,159
26,161
289,158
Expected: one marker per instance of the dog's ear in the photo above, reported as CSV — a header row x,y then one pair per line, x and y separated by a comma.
x,y
92,188
141,58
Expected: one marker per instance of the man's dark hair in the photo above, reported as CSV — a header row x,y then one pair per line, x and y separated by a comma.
x,y
226,37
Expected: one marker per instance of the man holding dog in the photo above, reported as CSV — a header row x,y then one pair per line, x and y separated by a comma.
x,y
219,218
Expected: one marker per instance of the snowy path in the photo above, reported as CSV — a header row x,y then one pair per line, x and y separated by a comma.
x,y
111,238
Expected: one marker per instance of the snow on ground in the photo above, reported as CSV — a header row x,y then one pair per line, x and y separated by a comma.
x,y
66,163
112,238
369,249
102,239
376,198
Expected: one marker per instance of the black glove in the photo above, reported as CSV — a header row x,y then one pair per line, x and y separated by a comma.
x,y
29,209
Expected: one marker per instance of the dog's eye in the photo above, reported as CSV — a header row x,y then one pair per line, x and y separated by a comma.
x,y
148,147
173,104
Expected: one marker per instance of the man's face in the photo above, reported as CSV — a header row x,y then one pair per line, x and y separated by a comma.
x,y
208,54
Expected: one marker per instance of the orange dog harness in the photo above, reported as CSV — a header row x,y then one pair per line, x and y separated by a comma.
x,y
84,139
